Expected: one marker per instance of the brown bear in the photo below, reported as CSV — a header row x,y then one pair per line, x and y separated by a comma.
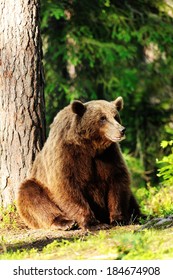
x,y
80,177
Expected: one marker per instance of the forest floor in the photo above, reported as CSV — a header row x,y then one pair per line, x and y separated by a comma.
x,y
117,243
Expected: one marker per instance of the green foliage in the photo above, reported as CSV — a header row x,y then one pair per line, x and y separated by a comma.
x,y
136,169
155,201
166,163
161,202
8,217
158,201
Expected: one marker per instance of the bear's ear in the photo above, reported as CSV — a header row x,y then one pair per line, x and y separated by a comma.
x,y
78,107
119,103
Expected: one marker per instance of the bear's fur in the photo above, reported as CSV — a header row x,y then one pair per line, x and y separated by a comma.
x,y
80,177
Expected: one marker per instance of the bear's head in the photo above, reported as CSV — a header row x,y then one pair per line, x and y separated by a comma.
x,y
98,121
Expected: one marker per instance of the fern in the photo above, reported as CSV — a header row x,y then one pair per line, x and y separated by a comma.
x,y
166,169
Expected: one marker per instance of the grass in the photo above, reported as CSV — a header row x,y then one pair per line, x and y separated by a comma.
x,y
118,243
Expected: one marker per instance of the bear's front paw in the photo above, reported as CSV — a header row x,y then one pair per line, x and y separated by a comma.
x,y
96,227
118,220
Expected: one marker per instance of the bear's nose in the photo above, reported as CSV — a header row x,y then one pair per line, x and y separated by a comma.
x,y
122,130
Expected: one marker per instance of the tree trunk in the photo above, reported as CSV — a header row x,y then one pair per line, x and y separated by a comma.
x,y
22,116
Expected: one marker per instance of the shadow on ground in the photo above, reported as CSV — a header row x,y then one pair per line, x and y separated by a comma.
x,y
35,239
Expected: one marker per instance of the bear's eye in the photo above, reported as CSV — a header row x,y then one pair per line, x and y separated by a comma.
x,y
103,119
117,118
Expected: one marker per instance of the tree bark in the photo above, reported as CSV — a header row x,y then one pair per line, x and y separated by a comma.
x,y
22,115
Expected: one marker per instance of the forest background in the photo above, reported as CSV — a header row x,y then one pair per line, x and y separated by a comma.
x,y
103,49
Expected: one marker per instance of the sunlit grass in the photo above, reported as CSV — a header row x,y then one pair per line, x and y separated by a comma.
x,y
119,243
